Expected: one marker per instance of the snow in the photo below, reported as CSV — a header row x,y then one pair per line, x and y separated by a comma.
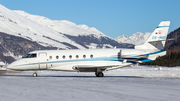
x,y
136,39
45,31
137,83
62,26
146,72
94,45
140,71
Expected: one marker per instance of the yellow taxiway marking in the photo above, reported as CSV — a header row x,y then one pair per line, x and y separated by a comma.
x,y
3,72
11,71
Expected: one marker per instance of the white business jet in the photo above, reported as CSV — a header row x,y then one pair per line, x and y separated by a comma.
x,y
95,60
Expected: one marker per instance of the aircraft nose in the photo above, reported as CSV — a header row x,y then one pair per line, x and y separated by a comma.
x,y
10,66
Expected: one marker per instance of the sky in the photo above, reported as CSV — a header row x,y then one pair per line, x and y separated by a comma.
x,y
111,17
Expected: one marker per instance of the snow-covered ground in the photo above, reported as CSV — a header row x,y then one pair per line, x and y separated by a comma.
x,y
126,84
141,71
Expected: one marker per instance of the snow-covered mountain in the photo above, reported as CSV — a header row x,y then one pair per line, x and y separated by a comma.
x,y
49,32
62,26
37,28
25,31
136,39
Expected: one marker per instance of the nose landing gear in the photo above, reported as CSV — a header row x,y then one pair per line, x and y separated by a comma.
x,y
35,74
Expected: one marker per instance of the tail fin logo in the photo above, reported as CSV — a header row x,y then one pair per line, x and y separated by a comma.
x,y
158,32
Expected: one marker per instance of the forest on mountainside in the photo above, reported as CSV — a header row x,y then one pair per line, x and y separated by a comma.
x,y
172,59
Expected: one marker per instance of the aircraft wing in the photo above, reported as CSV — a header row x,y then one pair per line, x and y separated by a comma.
x,y
88,68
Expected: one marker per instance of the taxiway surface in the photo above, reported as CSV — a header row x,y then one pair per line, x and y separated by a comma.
x,y
126,84
78,88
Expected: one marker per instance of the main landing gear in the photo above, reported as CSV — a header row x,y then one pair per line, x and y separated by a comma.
x,y
99,74
35,74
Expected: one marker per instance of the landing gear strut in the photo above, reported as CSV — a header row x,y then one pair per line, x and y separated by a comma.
x,y
100,74
35,74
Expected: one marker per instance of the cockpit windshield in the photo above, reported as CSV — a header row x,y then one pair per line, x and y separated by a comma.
x,y
30,56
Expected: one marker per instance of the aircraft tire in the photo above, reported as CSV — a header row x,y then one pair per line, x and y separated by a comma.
x,y
100,74
34,74
96,74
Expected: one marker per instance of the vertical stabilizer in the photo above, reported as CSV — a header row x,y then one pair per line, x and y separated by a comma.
x,y
156,40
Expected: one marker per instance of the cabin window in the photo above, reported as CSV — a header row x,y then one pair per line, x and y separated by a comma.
x,y
63,57
84,56
57,57
29,56
50,57
91,56
70,56
77,56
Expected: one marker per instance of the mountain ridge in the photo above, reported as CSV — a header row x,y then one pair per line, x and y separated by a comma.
x,y
137,38
35,27
40,31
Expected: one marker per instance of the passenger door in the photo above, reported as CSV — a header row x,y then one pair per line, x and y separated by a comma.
x,y
42,60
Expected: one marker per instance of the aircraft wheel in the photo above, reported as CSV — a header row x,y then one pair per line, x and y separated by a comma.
x,y
96,74
100,74
35,74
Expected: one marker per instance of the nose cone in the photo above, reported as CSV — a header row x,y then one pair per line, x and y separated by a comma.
x,y
10,66
17,65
